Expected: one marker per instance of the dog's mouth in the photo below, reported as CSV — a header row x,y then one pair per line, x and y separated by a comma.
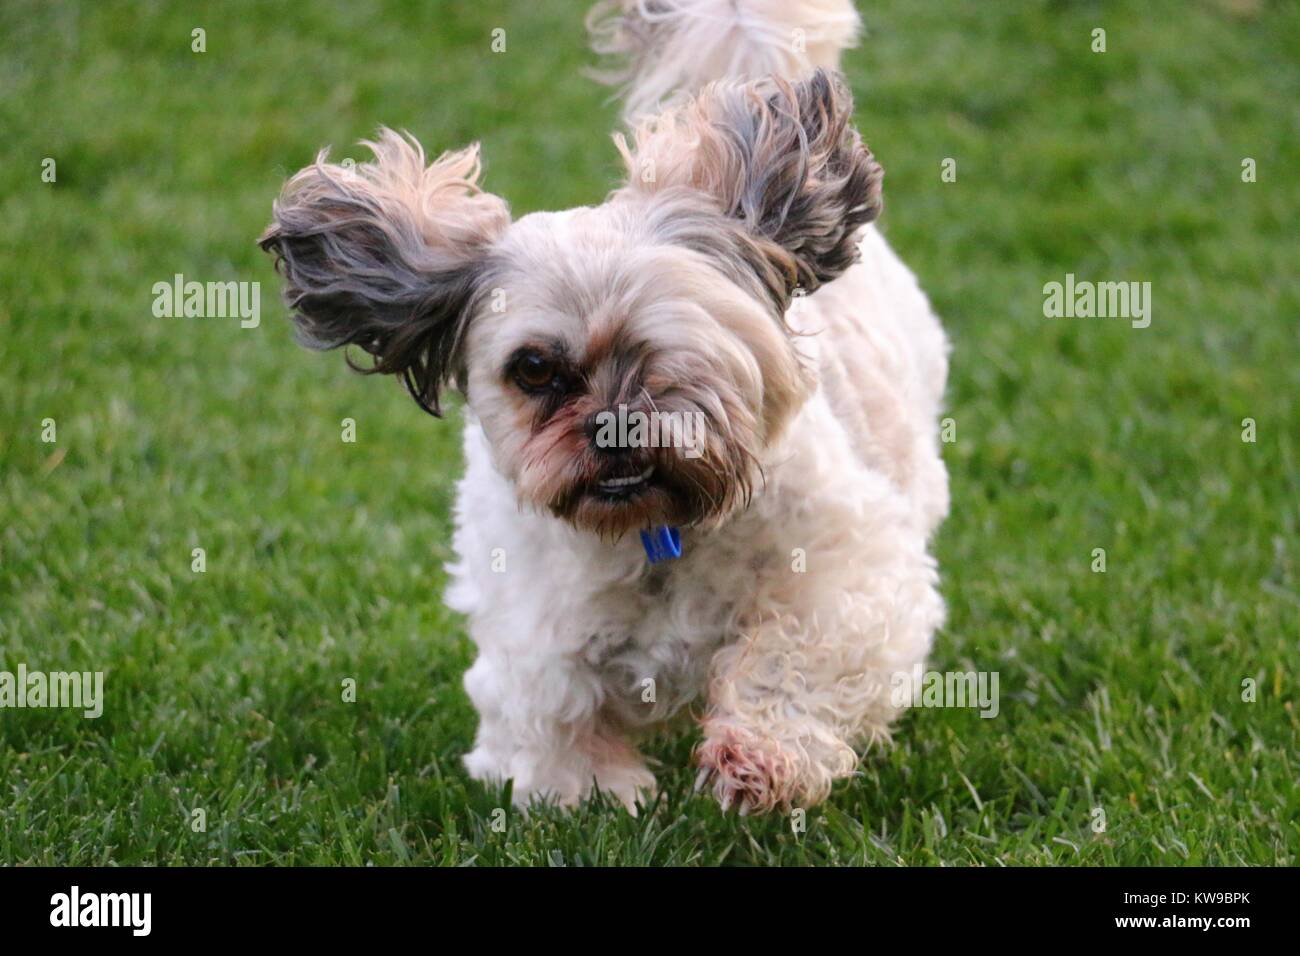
x,y
625,486
616,492
619,496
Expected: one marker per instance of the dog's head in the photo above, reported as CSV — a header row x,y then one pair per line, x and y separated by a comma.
x,y
582,338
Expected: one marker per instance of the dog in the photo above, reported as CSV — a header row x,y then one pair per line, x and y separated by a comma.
x,y
772,579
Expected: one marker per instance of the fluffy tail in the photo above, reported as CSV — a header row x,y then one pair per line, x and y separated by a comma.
x,y
661,49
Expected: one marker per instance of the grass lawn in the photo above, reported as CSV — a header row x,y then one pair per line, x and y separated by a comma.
x,y
1122,704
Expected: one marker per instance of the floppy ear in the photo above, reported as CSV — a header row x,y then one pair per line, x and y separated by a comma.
x,y
386,256
780,157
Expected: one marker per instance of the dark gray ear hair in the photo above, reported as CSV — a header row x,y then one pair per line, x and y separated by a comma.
x,y
780,157
385,255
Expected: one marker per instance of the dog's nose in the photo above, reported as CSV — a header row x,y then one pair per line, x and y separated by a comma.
x,y
602,432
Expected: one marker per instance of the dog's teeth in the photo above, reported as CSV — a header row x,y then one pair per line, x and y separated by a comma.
x,y
629,480
726,801
702,778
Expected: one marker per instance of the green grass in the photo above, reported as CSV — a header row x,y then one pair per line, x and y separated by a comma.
x,y
1121,691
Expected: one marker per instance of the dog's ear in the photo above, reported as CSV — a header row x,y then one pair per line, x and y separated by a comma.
x,y
779,157
386,255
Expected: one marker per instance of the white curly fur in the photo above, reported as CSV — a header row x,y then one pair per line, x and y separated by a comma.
x,y
661,49
794,667
805,583
784,625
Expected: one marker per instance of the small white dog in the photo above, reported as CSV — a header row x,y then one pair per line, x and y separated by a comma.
x,y
801,509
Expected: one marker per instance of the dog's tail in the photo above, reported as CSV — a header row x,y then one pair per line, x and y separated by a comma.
x,y
660,49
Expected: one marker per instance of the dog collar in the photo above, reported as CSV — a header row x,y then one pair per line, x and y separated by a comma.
x,y
662,543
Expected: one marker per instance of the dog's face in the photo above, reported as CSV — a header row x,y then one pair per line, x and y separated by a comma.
x,y
664,306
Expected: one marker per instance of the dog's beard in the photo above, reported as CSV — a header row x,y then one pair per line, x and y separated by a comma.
x,y
639,486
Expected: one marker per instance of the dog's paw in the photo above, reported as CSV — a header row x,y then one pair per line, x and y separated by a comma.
x,y
566,778
627,783
746,773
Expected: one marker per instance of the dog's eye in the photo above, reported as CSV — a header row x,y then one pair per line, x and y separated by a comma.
x,y
535,372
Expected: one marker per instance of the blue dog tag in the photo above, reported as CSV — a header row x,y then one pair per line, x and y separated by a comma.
x,y
662,543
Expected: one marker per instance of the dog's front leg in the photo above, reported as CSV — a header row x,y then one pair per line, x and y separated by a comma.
x,y
812,678
540,725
